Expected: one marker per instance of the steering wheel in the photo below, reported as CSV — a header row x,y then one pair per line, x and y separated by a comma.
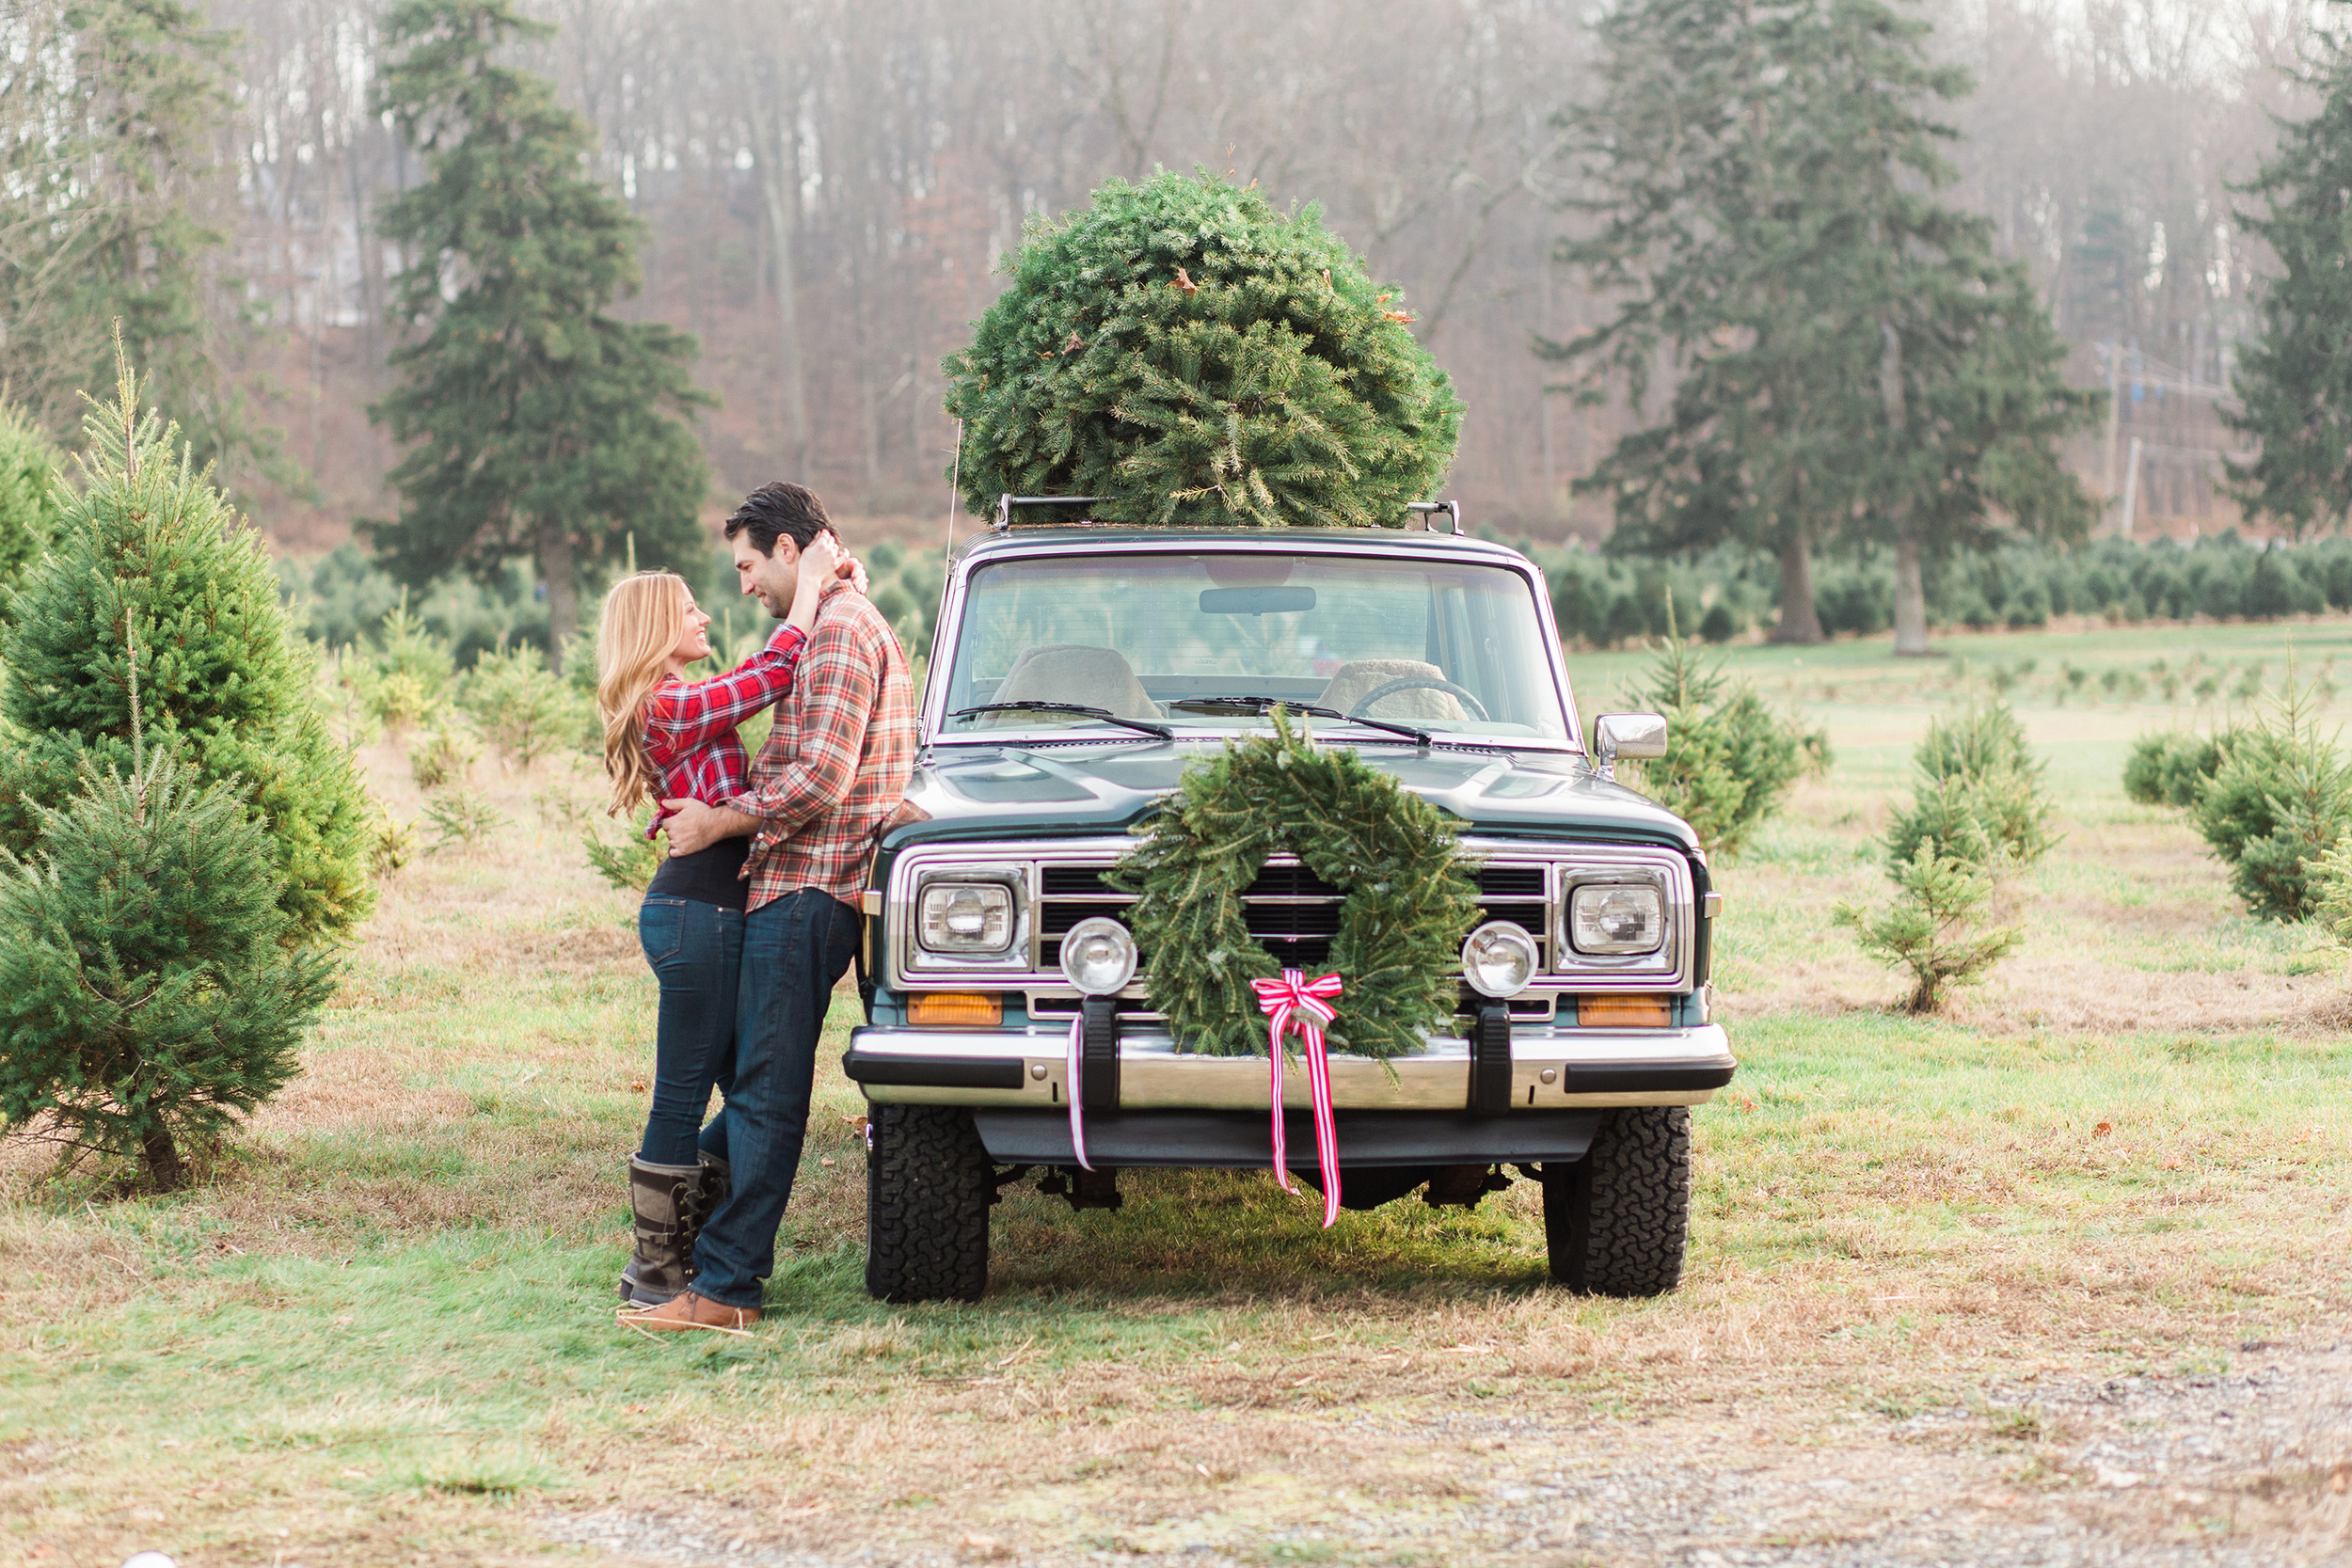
x,y
1411,683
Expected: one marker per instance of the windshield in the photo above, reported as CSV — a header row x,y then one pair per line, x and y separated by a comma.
x,y
1452,649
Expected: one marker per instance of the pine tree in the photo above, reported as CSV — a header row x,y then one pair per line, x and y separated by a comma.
x,y
28,499
115,150
534,423
1846,347
146,994
2293,378
1182,351
149,549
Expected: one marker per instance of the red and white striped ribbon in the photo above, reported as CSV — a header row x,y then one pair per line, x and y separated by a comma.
x,y
1295,1001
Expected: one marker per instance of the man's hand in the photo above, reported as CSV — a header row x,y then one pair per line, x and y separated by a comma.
x,y
693,826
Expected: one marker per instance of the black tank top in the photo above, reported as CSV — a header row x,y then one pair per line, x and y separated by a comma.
x,y
707,877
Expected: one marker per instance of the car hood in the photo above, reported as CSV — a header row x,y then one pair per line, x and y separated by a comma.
x,y
1031,790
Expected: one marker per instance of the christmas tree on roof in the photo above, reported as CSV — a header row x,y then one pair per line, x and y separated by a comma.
x,y
1191,357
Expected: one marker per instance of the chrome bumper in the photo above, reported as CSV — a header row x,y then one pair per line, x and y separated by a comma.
x,y
1551,1068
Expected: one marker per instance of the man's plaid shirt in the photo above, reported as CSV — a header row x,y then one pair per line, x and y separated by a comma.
x,y
837,758
690,726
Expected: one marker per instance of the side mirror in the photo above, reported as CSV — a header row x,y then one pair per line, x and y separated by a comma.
x,y
1635,737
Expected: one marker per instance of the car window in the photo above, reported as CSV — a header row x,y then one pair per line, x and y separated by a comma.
x,y
1445,646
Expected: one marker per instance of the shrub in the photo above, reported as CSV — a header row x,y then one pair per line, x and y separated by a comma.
x,y
1730,757
2169,769
147,991
2328,894
441,757
150,547
627,864
461,819
1935,926
30,508
1979,789
390,845
519,705
2279,798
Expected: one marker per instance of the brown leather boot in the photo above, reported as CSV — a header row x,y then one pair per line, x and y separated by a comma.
x,y
663,1200
689,1312
711,1191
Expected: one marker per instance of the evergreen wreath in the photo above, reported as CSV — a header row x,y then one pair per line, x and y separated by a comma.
x,y
1410,898
1192,357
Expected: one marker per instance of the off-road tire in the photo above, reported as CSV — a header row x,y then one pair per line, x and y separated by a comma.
x,y
929,1184
1617,1220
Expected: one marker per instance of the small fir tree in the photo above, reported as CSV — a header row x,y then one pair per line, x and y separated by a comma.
x,y
147,993
1980,785
149,549
30,505
2279,799
1188,354
1730,759
2293,377
533,421
1934,928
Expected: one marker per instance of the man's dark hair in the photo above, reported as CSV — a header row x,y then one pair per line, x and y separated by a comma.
x,y
780,510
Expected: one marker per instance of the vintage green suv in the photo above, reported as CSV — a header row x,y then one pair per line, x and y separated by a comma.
x,y
1076,669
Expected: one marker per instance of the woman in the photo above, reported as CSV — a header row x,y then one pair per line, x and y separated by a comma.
x,y
666,738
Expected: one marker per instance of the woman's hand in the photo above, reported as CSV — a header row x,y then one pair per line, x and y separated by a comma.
x,y
854,569
820,564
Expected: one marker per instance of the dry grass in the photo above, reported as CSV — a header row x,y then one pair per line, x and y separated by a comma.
x,y
381,1329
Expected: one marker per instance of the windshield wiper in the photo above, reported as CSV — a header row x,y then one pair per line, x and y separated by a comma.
x,y
1104,714
1259,705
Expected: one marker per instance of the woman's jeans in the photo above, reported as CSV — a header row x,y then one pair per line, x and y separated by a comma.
x,y
696,951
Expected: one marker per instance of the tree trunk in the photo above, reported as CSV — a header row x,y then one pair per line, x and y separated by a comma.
x,y
1911,601
1798,621
561,573
162,1158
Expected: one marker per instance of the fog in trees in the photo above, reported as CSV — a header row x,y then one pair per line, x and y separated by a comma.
x,y
827,188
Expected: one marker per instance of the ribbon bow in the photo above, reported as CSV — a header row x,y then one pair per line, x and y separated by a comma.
x,y
1295,1002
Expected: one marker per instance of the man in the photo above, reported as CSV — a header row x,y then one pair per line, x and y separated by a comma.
x,y
834,769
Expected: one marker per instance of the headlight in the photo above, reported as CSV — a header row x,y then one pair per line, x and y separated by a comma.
x,y
1617,917
1499,959
964,919
1098,955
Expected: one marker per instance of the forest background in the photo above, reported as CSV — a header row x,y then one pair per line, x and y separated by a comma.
x,y
827,189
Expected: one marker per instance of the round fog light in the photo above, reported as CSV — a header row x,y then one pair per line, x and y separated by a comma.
x,y
1098,955
1499,959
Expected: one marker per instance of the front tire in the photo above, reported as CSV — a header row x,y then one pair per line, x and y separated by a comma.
x,y
929,1183
1617,1221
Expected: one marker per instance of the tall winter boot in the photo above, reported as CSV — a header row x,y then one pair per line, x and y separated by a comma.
x,y
711,1191
665,1200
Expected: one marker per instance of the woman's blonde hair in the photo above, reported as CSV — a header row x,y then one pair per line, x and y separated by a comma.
x,y
644,617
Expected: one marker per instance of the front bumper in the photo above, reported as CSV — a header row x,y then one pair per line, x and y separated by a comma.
x,y
1552,1069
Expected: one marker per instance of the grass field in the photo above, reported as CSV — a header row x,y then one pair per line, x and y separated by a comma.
x,y
2062,1272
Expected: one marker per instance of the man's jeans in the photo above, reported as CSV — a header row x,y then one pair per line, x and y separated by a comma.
x,y
795,950
696,951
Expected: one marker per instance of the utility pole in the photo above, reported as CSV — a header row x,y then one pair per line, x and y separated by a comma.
x,y
2131,490
2115,413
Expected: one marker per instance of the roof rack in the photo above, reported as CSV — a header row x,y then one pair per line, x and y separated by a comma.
x,y
1008,504
1453,511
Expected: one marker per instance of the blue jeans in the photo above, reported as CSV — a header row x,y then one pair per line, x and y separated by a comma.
x,y
795,951
696,951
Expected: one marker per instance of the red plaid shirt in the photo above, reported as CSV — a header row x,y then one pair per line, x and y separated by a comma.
x,y
834,768
690,726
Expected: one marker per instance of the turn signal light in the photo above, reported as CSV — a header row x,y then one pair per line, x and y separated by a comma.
x,y
985,1010
1624,1012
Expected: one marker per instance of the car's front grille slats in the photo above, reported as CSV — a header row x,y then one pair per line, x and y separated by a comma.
x,y
1290,911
